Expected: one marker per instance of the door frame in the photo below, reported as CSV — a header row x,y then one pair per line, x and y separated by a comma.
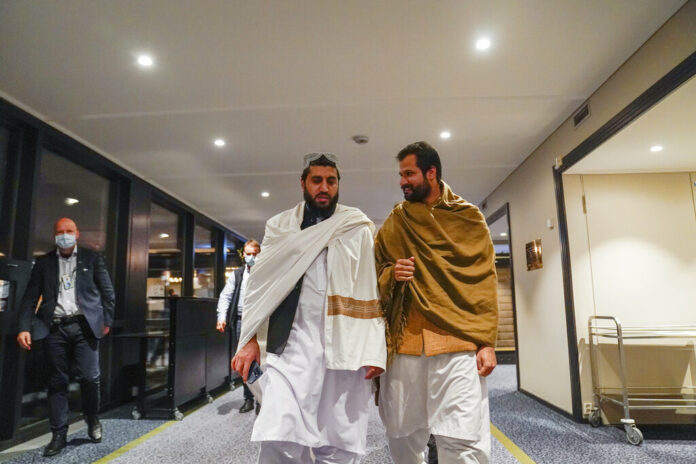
x,y
497,214
663,87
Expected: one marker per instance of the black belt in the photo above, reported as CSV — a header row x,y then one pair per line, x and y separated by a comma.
x,y
67,319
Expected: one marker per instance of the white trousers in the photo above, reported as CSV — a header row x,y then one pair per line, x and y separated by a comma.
x,y
285,452
441,395
411,449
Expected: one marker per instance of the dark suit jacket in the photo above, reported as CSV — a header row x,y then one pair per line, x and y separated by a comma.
x,y
233,309
94,293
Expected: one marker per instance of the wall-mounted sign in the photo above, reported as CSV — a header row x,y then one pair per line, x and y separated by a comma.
x,y
534,255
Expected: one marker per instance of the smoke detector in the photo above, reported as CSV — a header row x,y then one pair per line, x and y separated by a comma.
x,y
361,139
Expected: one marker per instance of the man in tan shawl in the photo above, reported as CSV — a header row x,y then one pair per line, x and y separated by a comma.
x,y
437,282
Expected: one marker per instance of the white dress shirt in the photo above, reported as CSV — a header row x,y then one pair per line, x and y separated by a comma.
x,y
66,304
228,291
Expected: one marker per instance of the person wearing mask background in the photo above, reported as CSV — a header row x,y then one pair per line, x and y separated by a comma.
x,y
231,306
77,309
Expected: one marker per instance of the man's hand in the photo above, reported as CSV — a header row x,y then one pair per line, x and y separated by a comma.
x,y
24,340
485,360
404,269
220,327
373,372
106,330
242,360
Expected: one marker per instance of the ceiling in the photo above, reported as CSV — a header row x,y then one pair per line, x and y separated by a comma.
x,y
669,124
278,79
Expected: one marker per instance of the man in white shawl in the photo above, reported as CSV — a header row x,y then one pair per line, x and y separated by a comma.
x,y
312,309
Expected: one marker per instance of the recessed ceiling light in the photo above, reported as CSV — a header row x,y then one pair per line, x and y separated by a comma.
x,y
503,234
71,201
483,43
145,61
445,135
265,194
219,143
164,236
656,148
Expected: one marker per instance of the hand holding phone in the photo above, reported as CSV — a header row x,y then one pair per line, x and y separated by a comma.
x,y
254,372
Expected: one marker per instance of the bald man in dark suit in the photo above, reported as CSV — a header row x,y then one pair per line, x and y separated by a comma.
x,y
76,311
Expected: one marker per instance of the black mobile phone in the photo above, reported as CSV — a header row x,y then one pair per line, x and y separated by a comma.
x,y
254,373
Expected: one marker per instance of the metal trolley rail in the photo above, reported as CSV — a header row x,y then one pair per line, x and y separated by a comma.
x,y
609,327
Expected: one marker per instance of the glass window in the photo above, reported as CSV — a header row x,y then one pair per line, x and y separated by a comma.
x,y
164,276
68,190
4,295
4,148
234,250
204,263
165,266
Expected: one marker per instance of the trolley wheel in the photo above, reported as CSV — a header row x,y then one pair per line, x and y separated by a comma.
x,y
595,418
634,435
135,414
178,415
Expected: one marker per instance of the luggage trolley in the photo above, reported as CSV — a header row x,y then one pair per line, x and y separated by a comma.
x,y
634,397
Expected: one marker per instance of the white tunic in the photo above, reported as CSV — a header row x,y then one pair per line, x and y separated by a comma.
x,y
303,401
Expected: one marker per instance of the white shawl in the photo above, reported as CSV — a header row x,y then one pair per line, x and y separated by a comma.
x,y
354,326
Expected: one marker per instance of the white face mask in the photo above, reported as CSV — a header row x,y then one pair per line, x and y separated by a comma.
x,y
65,241
250,260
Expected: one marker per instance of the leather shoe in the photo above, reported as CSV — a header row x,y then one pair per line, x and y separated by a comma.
x,y
57,444
258,408
247,406
94,429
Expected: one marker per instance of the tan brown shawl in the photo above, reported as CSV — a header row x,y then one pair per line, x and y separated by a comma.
x,y
454,285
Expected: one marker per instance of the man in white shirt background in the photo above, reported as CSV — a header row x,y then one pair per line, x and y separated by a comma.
x,y
231,306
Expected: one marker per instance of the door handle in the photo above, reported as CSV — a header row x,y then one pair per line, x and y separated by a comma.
x,y
12,265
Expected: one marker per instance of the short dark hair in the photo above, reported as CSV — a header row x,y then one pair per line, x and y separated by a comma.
x,y
321,161
426,157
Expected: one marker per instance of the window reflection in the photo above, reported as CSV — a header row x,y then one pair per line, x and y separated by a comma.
x,y
4,146
164,277
204,263
164,264
4,295
234,250
68,190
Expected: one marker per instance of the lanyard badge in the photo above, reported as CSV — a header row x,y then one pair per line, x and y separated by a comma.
x,y
67,281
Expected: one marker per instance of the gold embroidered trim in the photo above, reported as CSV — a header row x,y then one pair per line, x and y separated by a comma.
x,y
359,309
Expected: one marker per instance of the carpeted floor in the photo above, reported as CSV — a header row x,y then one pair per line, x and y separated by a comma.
x,y
119,430
218,433
549,437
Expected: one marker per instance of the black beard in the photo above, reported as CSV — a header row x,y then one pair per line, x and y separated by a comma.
x,y
417,193
322,209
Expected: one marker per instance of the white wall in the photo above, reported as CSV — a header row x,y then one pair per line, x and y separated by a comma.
x,y
530,190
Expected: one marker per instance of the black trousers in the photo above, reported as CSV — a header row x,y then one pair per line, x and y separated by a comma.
x,y
238,330
68,344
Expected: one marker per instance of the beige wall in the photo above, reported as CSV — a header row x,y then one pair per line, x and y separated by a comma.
x,y
633,254
543,354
